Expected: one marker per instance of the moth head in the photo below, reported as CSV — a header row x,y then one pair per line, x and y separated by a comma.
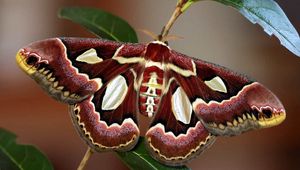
x,y
38,55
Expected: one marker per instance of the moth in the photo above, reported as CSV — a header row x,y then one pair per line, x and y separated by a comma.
x,y
108,84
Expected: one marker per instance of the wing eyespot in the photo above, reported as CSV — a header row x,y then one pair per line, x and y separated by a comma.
x,y
32,60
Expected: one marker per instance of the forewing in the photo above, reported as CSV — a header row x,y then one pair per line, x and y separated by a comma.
x,y
227,103
71,69
107,120
176,135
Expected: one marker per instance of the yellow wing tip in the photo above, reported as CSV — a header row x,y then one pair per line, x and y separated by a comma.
x,y
20,59
273,121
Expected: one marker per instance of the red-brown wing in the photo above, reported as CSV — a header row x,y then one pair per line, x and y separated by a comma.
x,y
176,135
71,69
98,78
227,103
108,119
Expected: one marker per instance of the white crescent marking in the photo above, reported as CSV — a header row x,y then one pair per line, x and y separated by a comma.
x,y
90,56
216,84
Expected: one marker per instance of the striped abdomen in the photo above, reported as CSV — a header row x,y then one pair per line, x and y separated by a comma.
x,y
150,90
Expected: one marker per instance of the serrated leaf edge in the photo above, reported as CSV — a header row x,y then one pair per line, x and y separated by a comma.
x,y
271,26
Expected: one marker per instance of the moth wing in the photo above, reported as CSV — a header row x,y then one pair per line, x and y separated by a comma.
x,y
227,103
176,135
108,119
71,69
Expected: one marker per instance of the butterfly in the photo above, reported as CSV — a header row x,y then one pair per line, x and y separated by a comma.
x,y
108,84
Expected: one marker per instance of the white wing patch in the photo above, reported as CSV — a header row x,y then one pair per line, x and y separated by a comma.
x,y
216,84
181,106
115,93
90,57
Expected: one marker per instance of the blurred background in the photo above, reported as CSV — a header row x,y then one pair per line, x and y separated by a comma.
x,y
211,31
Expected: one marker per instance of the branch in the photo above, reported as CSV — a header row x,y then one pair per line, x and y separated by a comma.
x,y
85,159
177,12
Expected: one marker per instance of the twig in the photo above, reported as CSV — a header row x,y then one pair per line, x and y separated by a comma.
x,y
85,159
177,12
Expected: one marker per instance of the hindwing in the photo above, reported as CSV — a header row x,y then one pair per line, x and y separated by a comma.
x,y
107,120
176,135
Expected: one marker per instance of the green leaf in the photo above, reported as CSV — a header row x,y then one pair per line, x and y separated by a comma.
x,y
269,15
139,159
101,23
20,157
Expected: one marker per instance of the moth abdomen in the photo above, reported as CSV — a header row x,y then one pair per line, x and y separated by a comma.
x,y
151,90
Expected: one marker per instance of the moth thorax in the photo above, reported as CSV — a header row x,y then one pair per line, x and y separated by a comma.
x,y
150,90
157,51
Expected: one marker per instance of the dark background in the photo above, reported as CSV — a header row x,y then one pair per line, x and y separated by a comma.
x,y
211,31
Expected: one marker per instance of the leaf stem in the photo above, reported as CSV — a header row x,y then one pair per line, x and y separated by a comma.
x,y
177,12
85,159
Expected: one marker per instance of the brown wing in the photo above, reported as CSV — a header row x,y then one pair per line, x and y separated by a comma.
x,y
176,135
107,120
227,103
71,69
